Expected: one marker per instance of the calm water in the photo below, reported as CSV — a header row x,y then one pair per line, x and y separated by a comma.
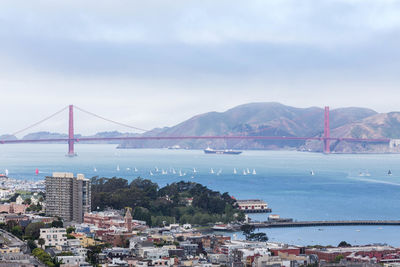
x,y
335,192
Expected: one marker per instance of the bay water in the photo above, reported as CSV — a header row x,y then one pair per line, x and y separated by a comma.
x,y
343,187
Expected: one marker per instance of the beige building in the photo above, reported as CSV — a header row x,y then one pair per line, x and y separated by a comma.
x,y
54,236
67,196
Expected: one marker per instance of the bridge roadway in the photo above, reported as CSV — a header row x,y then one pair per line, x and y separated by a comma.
x,y
83,139
325,223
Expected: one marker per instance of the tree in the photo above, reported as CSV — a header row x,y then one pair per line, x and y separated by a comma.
x,y
338,258
27,201
17,231
41,242
57,224
248,232
70,229
344,244
33,230
31,244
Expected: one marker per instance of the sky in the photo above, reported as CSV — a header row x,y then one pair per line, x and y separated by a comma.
x,y
155,63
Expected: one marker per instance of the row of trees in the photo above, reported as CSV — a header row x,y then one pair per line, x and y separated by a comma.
x,y
169,204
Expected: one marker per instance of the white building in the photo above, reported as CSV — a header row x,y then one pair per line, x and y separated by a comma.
x,y
54,236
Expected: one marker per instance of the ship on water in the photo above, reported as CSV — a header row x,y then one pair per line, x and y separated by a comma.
x,y
225,151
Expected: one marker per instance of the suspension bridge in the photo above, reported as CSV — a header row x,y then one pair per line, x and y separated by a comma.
x,y
71,140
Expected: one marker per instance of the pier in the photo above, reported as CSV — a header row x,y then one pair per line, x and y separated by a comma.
x,y
324,223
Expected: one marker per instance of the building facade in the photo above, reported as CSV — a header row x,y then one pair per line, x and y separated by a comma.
x,y
54,236
67,196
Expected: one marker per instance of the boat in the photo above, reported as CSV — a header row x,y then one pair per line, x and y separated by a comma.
x,y
180,173
94,169
219,172
254,172
173,171
6,172
2,175
312,172
151,173
389,172
194,170
244,172
234,171
226,151
135,169
37,171
248,171
212,171
117,168
222,227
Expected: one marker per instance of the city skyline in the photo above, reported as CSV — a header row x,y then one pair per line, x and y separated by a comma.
x,y
158,63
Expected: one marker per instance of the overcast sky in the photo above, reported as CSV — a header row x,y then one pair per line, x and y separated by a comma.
x,y
156,63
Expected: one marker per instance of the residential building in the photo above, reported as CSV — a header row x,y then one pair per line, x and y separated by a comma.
x,y
67,196
54,236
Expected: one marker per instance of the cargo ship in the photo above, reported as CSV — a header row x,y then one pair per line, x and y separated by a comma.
x,y
226,151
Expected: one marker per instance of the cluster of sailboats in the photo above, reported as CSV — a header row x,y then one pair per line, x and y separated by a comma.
x,y
157,171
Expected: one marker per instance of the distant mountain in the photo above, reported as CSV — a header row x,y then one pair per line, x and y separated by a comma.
x,y
8,137
265,119
383,125
49,135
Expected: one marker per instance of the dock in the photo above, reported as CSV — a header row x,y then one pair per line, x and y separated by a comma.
x,y
324,223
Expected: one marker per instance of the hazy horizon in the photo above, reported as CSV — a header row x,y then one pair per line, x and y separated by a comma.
x,y
157,63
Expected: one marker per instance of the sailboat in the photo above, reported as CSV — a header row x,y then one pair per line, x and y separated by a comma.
x,y
37,171
180,173
117,168
194,170
248,171
312,172
94,169
244,172
219,172
254,172
212,171
163,172
173,171
389,172
234,171
156,169
6,172
128,169
135,169
151,173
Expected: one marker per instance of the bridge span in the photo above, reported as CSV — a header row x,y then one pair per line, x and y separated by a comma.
x,y
72,139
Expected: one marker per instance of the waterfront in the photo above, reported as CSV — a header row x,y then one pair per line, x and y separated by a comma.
x,y
283,180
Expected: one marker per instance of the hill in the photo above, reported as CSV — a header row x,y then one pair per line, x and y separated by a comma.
x,y
265,119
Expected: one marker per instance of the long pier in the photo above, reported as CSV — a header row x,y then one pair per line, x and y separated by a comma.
x,y
325,223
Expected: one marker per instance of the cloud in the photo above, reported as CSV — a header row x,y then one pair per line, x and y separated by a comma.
x,y
155,63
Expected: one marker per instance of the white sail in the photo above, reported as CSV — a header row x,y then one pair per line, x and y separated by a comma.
x,y
94,169
135,169
6,172
151,173
117,168
211,171
254,172
247,170
234,171
194,170
244,172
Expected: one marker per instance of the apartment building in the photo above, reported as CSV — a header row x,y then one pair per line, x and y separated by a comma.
x,y
67,196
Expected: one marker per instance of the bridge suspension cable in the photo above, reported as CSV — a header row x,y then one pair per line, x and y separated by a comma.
x,y
39,122
115,122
